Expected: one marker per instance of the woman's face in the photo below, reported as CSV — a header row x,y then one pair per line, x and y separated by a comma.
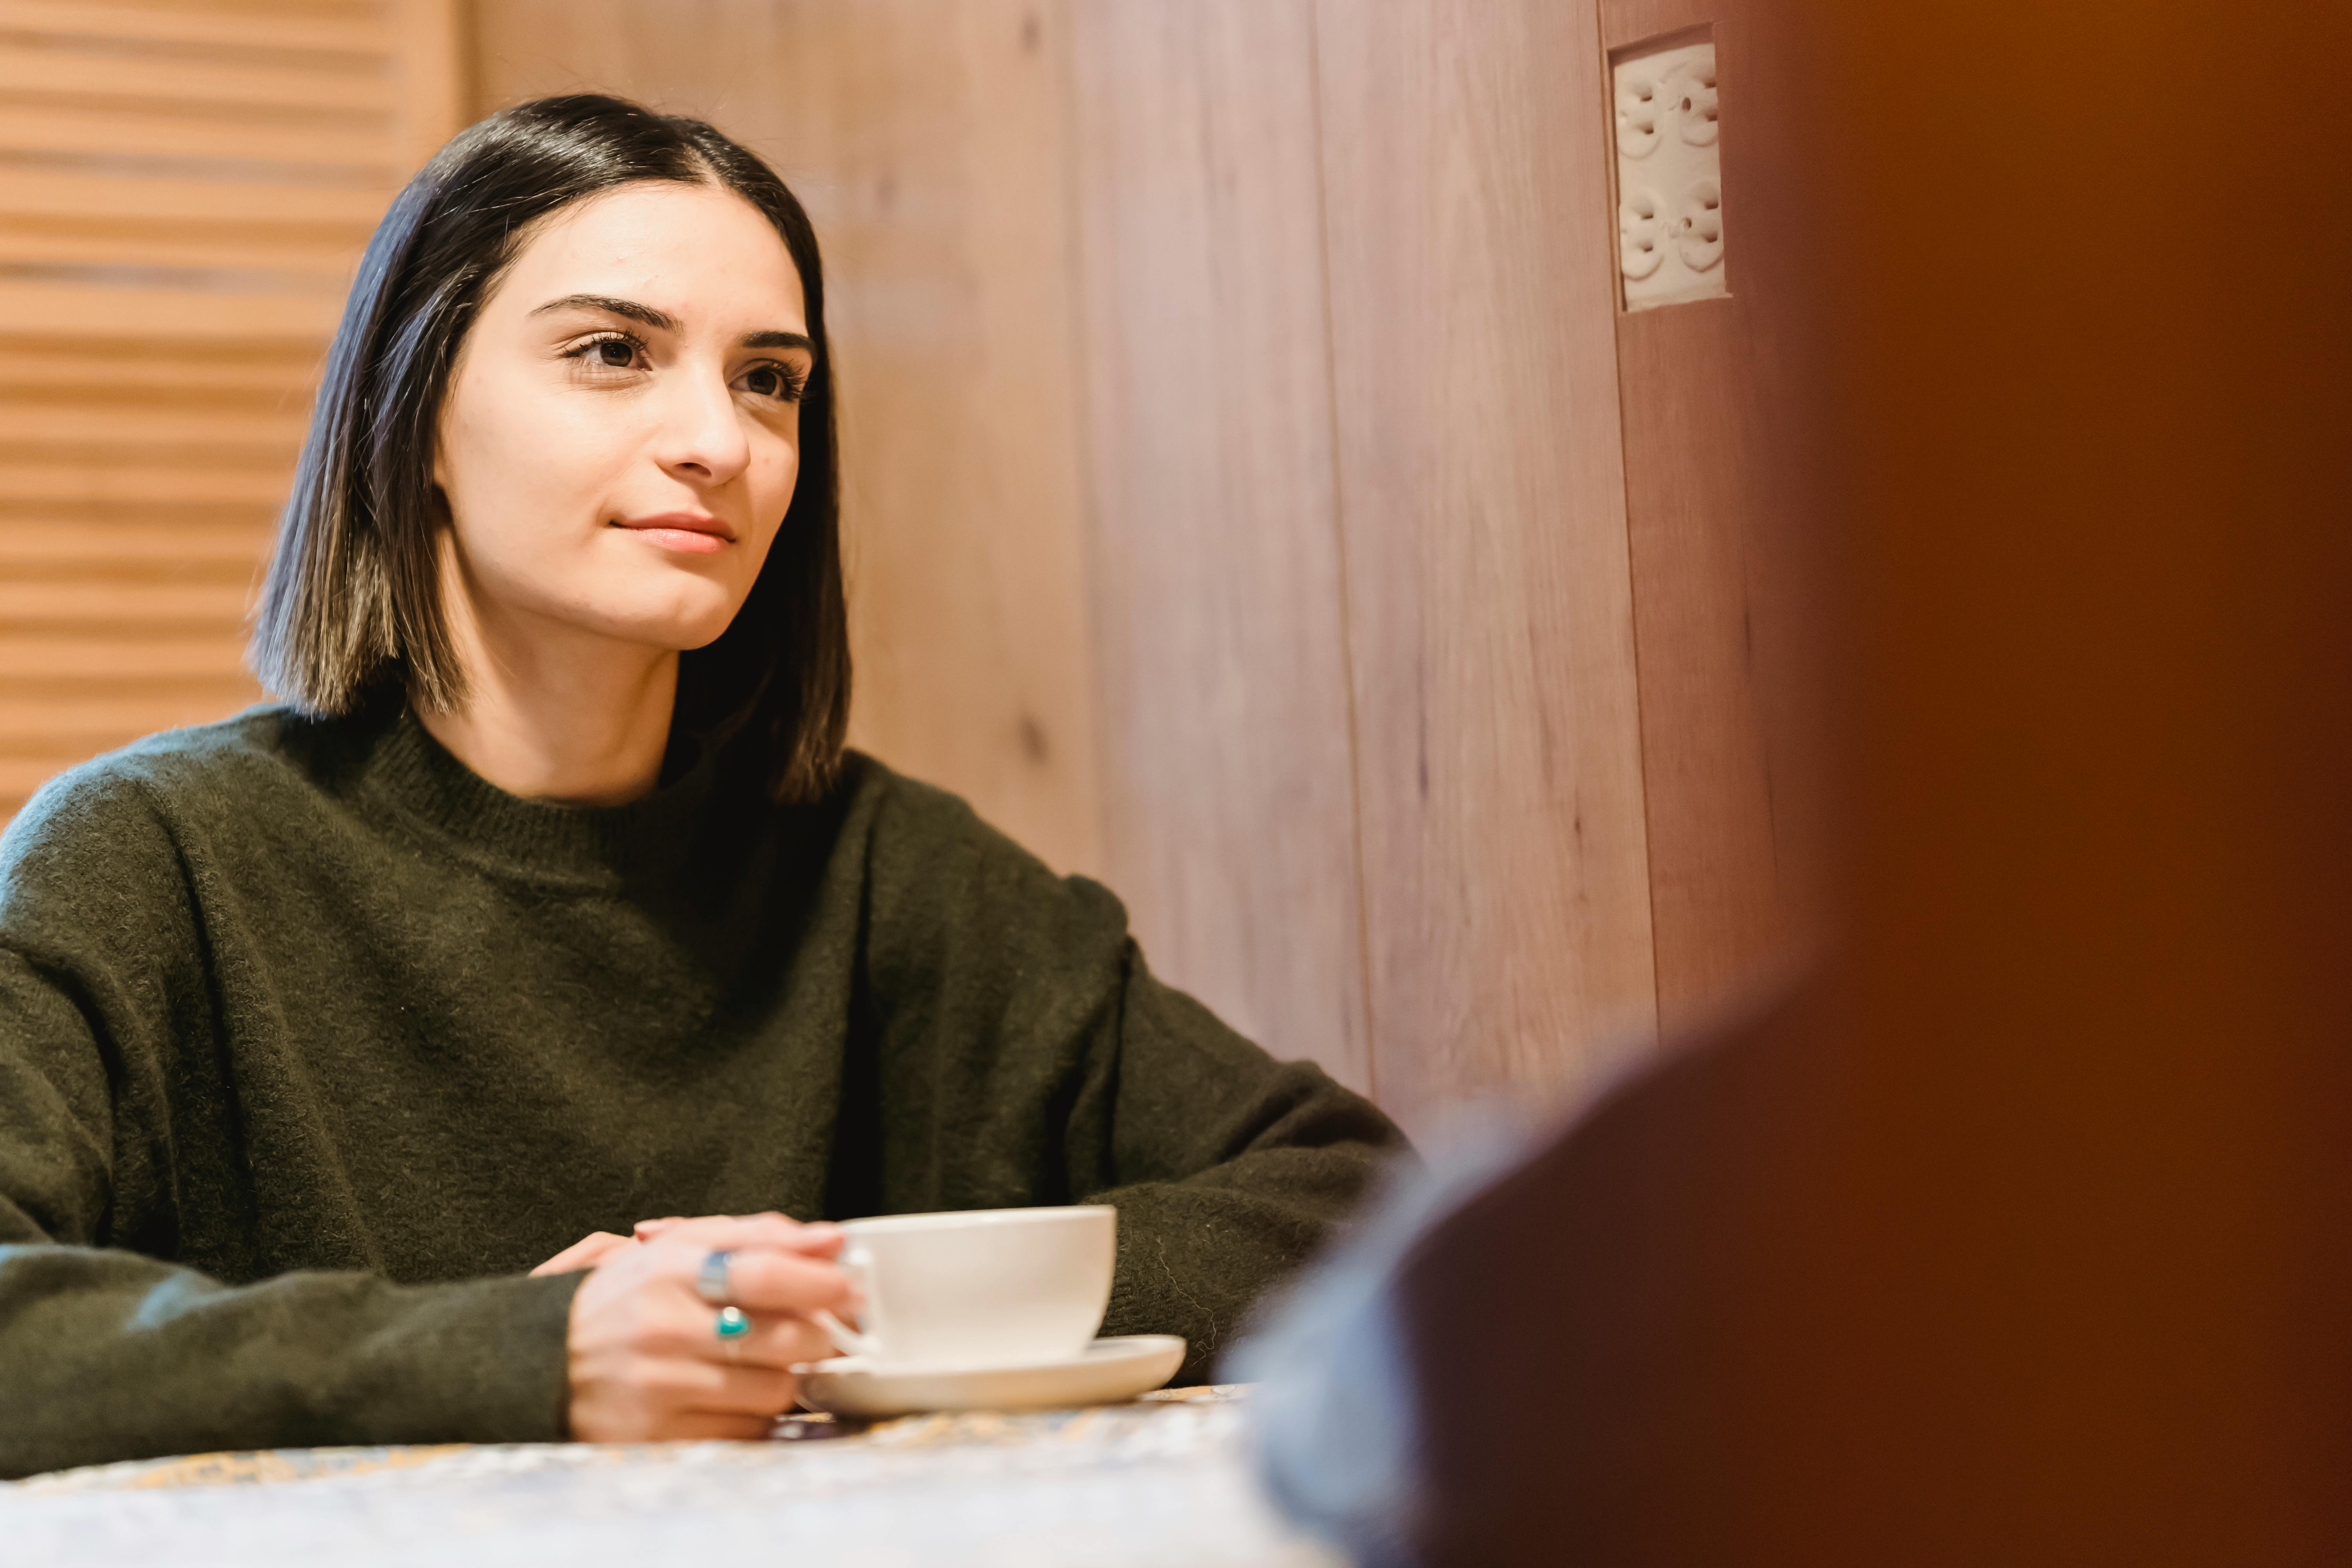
x,y
622,431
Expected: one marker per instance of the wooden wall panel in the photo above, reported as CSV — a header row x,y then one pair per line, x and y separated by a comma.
x,y
927,140
1482,500
184,192
1229,777
1724,505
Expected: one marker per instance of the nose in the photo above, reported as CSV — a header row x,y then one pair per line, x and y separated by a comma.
x,y
701,437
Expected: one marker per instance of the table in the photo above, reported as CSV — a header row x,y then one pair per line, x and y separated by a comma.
x,y
1163,1480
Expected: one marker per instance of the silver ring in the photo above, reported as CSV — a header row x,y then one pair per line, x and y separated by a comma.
x,y
710,1280
732,1324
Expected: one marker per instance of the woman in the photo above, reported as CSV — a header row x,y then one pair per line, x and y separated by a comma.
x,y
550,901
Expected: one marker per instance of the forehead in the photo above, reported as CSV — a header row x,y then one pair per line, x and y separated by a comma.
x,y
700,253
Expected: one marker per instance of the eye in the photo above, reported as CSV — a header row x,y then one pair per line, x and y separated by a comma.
x,y
780,382
612,351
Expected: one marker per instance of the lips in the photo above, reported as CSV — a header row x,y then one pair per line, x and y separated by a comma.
x,y
689,532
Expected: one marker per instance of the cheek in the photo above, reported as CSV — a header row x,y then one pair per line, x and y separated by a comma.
x,y
514,460
774,477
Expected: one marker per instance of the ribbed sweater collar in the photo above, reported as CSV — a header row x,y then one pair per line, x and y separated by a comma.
x,y
413,772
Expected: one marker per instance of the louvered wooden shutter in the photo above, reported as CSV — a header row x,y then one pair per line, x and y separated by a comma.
x,y
184,189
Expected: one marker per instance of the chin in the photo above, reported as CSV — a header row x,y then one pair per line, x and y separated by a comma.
x,y
678,627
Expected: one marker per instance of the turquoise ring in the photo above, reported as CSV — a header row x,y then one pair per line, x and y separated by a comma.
x,y
733,1323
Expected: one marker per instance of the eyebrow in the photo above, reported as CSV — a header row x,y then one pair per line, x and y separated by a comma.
x,y
663,322
612,307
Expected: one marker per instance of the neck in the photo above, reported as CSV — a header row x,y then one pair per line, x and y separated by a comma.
x,y
551,712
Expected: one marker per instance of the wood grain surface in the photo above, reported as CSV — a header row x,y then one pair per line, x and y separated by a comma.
x,y
1482,502
1229,783
184,192
927,142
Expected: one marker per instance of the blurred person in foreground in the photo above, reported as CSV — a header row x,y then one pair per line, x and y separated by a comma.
x,y
549,900
2019,1231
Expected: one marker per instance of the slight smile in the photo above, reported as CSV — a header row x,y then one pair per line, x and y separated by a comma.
x,y
689,532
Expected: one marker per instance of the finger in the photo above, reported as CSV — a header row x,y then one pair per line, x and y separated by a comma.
x,y
647,1229
776,1340
586,1253
707,1426
771,1281
769,1230
747,1390
800,1342
722,1387
712,1224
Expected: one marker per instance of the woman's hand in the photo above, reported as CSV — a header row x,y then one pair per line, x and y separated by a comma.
x,y
646,1362
586,1253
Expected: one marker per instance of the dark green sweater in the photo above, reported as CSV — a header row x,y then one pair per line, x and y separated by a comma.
x,y
312,1042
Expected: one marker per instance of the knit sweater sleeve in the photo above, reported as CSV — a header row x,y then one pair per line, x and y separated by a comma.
x,y
1028,1055
109,1349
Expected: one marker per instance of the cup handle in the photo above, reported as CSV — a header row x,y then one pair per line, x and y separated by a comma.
x,y
846,1339
853,1262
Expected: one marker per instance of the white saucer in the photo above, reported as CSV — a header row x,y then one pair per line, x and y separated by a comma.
x,y
1106,1371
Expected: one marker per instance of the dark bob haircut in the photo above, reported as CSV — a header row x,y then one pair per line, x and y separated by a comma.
x,y
352,607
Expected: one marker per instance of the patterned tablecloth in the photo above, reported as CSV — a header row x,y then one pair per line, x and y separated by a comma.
x,y
1162,1481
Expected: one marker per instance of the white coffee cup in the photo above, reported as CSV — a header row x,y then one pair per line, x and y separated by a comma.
x,y
978,1288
